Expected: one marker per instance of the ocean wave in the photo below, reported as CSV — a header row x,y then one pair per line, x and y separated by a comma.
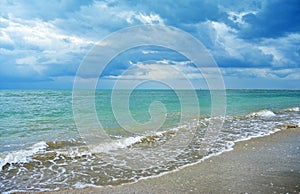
x,y
43,151
22,156
115,144
62,144
126,142
293,109
262,113
82,164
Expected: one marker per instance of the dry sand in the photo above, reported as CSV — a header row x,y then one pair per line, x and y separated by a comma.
x,y
268,164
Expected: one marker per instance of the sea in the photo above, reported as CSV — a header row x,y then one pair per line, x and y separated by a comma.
x,y
49,142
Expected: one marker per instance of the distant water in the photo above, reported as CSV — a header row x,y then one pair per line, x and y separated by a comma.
x,y
41,148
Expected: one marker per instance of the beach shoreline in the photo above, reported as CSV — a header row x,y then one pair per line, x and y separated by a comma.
x,y
264,164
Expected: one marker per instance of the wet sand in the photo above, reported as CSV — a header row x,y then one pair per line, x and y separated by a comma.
x,y
268,164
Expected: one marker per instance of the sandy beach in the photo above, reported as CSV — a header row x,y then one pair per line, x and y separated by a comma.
x,y
269,164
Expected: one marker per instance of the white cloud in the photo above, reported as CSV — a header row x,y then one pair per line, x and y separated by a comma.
x,y
225,37
226,45
154,71
145,52
5,38
99,19
221,39
237,17
26,60
271,51
175,74
32,63
127,15
149,19
284,50
38,43
166,70
262,73
36,38
41,34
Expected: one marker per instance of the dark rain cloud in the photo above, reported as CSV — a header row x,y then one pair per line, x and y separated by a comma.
x,y
277,18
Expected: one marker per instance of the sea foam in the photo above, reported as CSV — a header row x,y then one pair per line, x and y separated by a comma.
x,y
115,144
262,113
294,109
21,156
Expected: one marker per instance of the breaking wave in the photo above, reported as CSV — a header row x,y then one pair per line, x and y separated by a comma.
x,y
63,164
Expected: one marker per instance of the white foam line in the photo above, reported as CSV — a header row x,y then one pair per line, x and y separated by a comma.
x,y
230,148
198,162
293,109
256,136
30,191
262,113
22,155
14,191
128,141
80,185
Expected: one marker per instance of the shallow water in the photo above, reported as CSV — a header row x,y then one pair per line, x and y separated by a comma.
x,y
42,149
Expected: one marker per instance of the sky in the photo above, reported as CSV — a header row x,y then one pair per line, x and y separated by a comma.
x,y
254,43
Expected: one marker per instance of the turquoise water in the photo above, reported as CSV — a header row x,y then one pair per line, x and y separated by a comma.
x,y
39,137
